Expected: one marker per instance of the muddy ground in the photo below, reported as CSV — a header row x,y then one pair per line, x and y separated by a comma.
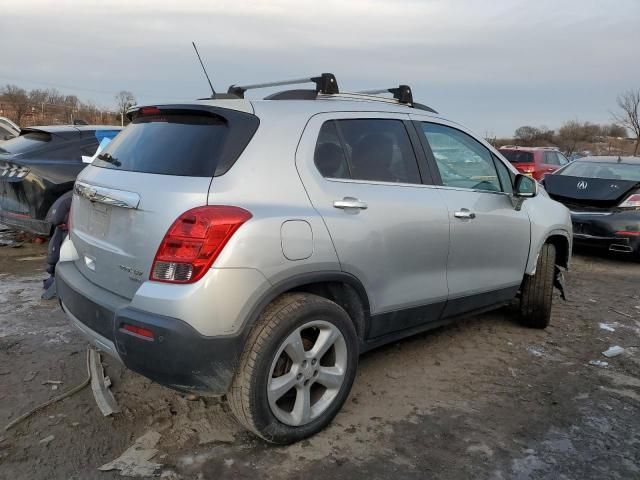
x,y
483,398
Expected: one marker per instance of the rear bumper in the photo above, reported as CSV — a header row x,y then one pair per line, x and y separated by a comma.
x,y
178,356
602,230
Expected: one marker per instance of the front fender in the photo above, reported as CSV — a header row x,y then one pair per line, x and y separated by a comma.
x,y
550,221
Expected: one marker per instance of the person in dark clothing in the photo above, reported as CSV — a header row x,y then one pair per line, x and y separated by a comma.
x,y
59,218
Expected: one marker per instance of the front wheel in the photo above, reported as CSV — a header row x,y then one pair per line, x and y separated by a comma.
x,y
536,295
297,368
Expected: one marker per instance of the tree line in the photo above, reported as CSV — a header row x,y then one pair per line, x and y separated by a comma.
x,y
574,134
49,106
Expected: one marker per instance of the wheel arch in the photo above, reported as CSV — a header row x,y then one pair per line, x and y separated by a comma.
x,y
339,287
561,239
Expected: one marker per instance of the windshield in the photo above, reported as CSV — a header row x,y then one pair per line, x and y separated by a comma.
x,y
517,156
605,170
25,143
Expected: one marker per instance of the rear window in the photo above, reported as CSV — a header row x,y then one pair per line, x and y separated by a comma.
x,y
186,143
609,171
366,149
25,143
517,156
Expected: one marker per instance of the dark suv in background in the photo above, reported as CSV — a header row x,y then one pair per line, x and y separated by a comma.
x,y
535,162
39,166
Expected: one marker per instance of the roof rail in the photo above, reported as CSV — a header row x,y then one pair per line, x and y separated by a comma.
x,y
402,93
325,83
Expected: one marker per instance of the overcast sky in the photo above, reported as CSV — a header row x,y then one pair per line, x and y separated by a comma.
x,y
492,65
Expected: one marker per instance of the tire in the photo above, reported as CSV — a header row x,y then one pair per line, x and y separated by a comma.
x,y
277,417
536,295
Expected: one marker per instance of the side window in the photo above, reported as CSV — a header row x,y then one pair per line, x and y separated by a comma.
x,y
562,159
550,158
462,161
504,175
366,149
329,156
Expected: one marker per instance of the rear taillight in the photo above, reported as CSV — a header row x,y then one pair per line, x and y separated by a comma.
x,y
628,233
632,201
194,241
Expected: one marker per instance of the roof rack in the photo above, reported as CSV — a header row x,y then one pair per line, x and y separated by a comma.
x,y
402,93
325,83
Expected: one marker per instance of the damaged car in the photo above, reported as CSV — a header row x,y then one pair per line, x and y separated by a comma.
x,y
39,166
253,249
603,195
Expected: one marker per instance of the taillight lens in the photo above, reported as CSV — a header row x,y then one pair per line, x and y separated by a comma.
x,y
194,241
632,201
139,331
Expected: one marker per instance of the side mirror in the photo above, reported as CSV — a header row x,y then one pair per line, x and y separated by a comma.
x,y
525,187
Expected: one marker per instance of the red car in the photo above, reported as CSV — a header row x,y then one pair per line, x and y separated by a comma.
x,y
534,161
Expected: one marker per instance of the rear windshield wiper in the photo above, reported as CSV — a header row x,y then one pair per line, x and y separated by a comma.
x,y
107,157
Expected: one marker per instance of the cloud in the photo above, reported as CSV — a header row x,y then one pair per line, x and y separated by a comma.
x,y
493,65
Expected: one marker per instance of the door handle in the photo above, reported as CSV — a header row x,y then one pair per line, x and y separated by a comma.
x,y
464,213
350,202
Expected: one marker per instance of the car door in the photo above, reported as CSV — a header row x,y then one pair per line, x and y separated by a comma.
x,y
364,174
490,239
551,163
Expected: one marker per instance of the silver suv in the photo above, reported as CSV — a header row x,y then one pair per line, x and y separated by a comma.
x,y
254,249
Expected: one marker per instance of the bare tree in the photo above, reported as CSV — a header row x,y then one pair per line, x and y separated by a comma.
x,y
124,101
526,135
629,116
573,133
18,99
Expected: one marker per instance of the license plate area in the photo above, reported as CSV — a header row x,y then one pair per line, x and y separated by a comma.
x,y
99,219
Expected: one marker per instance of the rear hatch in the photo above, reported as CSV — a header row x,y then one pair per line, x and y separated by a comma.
x,y
158,167
523,160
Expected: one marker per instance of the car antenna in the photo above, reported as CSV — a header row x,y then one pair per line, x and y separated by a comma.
x,y
213,92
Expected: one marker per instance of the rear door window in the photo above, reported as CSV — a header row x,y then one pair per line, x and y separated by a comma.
x,y
329,155
183,143
550,158
367,149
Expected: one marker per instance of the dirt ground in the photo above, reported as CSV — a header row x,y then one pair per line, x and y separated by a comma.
x,y
483,398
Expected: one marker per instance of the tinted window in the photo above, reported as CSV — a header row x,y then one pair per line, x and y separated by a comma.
x,y
517,156
187,144
462,161
504,174
610,171
26,143
379,150
329,156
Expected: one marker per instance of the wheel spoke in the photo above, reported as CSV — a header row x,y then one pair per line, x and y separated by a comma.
x,y
294,347
281,385
324,342
330,377
302,408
